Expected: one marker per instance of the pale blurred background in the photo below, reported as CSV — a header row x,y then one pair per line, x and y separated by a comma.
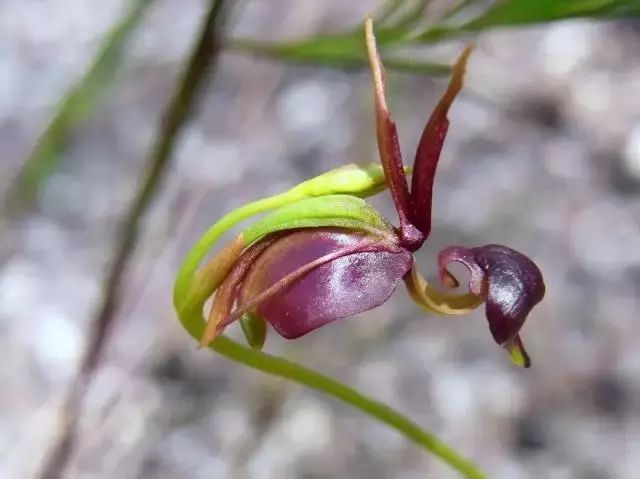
x,y
543,154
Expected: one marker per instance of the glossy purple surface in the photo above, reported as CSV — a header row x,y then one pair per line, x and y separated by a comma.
x,y
430,146
511,283
425,164
345,286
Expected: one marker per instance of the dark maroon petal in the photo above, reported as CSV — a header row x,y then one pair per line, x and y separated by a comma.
x,y
424,171
511,283
347,285
428,151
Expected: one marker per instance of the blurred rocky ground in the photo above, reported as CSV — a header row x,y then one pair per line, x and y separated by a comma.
x,y
543,154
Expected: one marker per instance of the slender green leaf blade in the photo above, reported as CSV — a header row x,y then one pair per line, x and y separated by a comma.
x,y
517,13
79,103
335,51
523,12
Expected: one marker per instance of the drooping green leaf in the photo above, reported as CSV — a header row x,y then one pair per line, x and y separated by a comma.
x,y
399,24
405,15
344,51
523,12
388,10
461,6
515,13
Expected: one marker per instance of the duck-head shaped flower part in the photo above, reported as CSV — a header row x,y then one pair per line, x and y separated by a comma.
x,y
325,254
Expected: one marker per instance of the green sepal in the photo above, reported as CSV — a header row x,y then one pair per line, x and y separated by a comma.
x,y
340,211
255,329
517,353
344,211
352,179
360,181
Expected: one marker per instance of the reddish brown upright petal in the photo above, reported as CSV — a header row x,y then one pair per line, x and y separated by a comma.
x,y
428,152
389,147
226,295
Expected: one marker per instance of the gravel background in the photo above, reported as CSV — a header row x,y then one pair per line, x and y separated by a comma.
x,y
543,155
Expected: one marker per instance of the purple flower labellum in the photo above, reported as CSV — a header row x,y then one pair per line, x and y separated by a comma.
x,y
311,265
510,283
362,276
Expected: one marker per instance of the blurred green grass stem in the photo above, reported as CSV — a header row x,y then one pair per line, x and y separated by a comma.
x,y
179,110
377,410
80,102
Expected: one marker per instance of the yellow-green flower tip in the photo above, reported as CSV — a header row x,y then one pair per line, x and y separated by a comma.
x,y
361,181
517,353
254,329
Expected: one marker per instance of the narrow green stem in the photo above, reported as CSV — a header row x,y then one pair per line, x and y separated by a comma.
x,y
380,411
295,372
190,310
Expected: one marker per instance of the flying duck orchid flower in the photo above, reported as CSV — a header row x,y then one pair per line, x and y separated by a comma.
x,y
323,253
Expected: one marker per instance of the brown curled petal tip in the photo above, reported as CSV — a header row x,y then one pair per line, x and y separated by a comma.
x,y
464,256
448,279
226,295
